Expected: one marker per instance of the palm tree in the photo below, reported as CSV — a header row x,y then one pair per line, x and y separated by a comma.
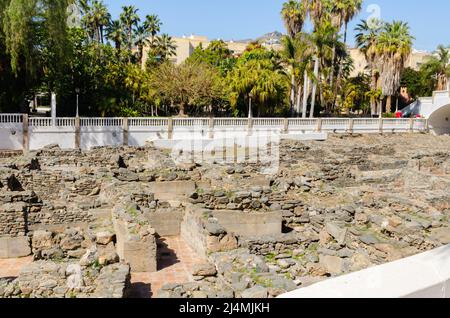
x,y
100,17
346,10
116,34
289,55
394,47
129,19
324,40
165,47
140,34
153,25
438,67
294,16
367,41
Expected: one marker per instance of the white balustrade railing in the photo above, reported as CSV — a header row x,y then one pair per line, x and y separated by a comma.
x,y
101,122
40,122
396,124
305,124
148,122
65,122
230,122
11,118
365,124
268,122
190,122
420,124
335,123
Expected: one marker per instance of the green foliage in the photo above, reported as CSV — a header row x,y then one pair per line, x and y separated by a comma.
x,y
216,55
258,75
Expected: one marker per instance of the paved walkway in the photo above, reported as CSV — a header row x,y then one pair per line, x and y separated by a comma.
x,y
175,263
10,268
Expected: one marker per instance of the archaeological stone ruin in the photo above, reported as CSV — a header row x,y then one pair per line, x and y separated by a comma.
x,y
90,222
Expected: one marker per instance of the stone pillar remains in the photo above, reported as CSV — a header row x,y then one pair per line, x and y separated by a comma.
x,y
26,140
125,122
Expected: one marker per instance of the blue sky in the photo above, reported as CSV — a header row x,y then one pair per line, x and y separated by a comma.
x,y
243,19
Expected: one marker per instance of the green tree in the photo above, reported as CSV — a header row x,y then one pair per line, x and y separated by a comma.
x,y
153,25
129,19
367,41
437,68
259,76
217,55
188,85
116,34
394,47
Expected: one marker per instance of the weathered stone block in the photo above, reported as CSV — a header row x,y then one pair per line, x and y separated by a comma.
x,y
14,247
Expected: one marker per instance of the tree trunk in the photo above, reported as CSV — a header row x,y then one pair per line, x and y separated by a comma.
x,y
182,109
292,92
299,99
314,90
305,94
389,104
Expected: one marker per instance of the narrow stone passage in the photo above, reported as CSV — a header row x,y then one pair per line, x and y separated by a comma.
x,y
175,262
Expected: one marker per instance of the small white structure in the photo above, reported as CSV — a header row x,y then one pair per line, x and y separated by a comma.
x,y
425,275
437,110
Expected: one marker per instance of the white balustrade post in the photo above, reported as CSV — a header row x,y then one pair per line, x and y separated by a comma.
x,y
351,124
286,126
170,128
381,122
211,128
319,125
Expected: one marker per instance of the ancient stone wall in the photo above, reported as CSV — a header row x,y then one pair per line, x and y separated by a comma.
x,y
47,279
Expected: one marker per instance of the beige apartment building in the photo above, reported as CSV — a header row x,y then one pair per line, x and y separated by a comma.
x,y
187,44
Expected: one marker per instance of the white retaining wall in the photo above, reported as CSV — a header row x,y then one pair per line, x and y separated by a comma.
x,y
426,275
11,136
94,132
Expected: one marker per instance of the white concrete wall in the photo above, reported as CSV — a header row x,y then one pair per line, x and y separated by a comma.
x,y
96,132
138,136
11,137
101,136
426,275
40,137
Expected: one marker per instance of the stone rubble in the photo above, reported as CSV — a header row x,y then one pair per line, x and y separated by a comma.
x,y
346,204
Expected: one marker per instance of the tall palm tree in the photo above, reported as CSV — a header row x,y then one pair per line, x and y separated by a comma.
x,y
324,40
116,34
100,18
394,47
129,19
289,55
141,35
294,16
346,10
367,41
153,25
